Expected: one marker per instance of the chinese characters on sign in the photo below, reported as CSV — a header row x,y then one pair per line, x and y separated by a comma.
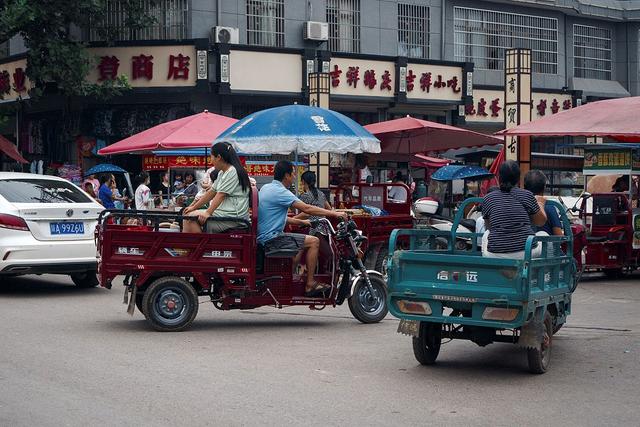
x,y
142,67
484,100
604,159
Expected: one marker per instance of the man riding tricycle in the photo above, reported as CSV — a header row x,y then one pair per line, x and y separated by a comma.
x,y
165,271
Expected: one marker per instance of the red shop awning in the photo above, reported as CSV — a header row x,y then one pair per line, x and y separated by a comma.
x,y
614,118
9,148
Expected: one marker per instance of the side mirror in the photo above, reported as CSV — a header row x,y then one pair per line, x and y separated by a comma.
x,y
585,195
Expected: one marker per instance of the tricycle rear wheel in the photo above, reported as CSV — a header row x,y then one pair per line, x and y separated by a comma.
x,y
170,304
540,356
426,346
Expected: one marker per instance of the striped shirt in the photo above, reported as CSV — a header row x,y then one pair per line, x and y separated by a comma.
x,y
509,219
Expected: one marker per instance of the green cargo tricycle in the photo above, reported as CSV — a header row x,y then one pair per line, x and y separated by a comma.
x,y
442,292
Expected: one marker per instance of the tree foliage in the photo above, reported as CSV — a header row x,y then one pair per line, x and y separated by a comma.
x,y
56,54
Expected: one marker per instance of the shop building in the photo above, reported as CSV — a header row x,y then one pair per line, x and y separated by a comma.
x,y
433,59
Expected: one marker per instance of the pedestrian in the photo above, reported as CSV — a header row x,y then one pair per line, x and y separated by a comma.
x,y
190,185
94,183
88,188
118,199
566,183
178,185
104,193
397,193
142,198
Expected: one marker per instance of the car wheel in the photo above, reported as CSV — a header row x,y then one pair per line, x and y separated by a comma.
x,y
87,279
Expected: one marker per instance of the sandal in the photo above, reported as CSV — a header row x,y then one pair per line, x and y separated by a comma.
x,y
317,289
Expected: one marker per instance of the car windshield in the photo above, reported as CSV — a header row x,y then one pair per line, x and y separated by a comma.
x,y
41,191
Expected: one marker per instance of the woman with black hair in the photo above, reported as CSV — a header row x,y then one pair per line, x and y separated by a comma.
x,y
312,196
228,196
509,215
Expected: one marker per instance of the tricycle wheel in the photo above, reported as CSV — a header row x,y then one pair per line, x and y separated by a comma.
x,y
381,260
613,273
170,304
540,356
426,346
364,306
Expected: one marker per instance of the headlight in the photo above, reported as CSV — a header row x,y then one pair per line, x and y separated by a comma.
x,y
495,313
414,307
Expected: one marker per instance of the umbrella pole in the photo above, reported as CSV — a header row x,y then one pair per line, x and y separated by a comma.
x,y
295,162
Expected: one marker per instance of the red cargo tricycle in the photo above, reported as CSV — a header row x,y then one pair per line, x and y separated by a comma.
x,y
165,270
377,229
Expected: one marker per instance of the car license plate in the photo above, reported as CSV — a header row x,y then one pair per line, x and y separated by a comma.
x,y
409,327
67,227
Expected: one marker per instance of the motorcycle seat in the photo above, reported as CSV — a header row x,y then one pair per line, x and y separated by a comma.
x,y
596,239
469,224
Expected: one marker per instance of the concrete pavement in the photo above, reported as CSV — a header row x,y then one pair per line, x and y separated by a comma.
x,y
74,357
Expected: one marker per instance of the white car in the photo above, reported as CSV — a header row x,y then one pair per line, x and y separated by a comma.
x,y
47,226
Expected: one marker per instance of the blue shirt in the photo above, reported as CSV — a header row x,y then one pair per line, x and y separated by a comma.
x,y
553,220
104,194
274,201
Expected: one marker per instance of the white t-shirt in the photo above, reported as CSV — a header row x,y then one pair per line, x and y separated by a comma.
x,y
398,194
143,198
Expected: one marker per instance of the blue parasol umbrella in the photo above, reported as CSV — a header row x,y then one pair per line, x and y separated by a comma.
x,y
301,129
452,172
104,168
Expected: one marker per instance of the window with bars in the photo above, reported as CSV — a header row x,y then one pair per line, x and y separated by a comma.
x,y
591,52
413,30
265,22
343,17
169,21
481,36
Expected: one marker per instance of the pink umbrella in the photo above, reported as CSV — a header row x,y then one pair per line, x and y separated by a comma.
x,y
615,118
409,135
195,131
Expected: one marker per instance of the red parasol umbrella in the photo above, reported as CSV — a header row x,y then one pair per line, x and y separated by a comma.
x,y
495,167
615,118
8,148
409,135
195,131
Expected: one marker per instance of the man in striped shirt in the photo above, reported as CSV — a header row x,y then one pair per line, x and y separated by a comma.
x,y
509,215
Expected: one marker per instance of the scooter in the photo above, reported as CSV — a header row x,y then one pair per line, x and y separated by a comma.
x,y
427,211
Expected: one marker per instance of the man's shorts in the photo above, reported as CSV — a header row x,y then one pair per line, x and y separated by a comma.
x,y
218,226
285,245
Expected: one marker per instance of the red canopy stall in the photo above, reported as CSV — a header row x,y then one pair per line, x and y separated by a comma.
x,y
8,148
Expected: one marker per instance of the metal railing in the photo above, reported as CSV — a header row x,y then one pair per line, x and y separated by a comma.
x,y
343,17
482,35
413,30
265,22
170,20
592,52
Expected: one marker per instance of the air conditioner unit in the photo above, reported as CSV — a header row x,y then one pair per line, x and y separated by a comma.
x,y
226,35
318,31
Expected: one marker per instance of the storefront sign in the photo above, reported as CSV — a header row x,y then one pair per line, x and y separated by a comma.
x,y
264,71
149,66
435,82
156,163
488,105
609,159
14,83
359,77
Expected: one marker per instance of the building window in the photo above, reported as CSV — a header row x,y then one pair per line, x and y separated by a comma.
x,y
591,52
413,30
481,36
169,21
343,17
265,22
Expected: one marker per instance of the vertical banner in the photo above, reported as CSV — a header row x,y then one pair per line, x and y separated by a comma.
x,y
517,103
319,90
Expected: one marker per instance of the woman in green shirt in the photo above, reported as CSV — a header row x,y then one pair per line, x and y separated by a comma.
x,y
228,196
